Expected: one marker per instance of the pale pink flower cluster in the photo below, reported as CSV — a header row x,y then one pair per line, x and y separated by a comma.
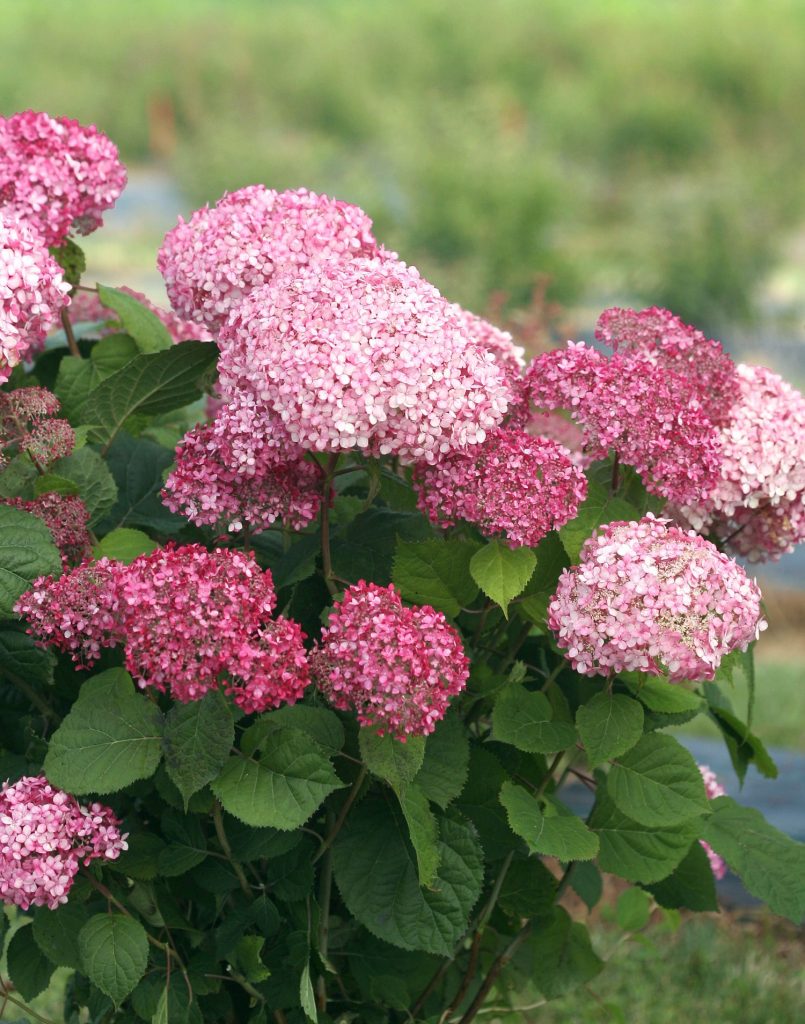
x,y
59,175
396,667
713,788
561,429
512,484
758,506
77,612
195,619
362,355
67,518
32,291
242,471
211,262
86,307
27,425
653,598
45,836
508,357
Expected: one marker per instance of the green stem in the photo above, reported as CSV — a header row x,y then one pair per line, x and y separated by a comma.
x,y
218,821
325,894
8,997
324,524
342,814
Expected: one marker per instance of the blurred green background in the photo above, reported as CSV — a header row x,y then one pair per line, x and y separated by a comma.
x,y
648,151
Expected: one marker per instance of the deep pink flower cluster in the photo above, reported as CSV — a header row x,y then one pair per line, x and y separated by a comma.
x,y
27,425
511,483
45,835
57,174
211,262
78,612
561,429
86,307
362,355
758,506
32,291
396,667
66,516
653,598
713,788
242,470
194,619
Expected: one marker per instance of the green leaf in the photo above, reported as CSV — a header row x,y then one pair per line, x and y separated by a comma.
x,y
365,549
502,572
26,552
395,761
660,695
585,881
323,725
744,747
528,889
247,958
524,719
52,482
112,353
376,873
90,474
597,509
124,545
282,789
307,997
71,259
435,572
633,910
563,958
138,467
447,754
637,852
161,1012
106,743
149,384
114,954
565,837
29,970
690,886
74,382
144,326
422,831
658,783
20,655
56,933
609,725
769,863
196,742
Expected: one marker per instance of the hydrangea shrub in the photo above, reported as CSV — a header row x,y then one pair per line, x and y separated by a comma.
x,y
317,601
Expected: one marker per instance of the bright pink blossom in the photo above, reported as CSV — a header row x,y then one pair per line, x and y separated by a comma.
x,y
86,307
653,598
32,290
362,355
511,483
713,788
211,262
757,508
396,667
66,516
58,175
45,836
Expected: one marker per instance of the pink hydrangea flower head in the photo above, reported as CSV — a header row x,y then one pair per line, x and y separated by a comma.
x,y
500,345
365,355
58,175
757,508
32,290
561,429
512,484
713,788
26,426
45,836
212,261
271,667
86,307
78,612
396,667
67,518
653,598
240,470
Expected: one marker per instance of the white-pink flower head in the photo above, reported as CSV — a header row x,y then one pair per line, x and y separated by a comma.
x,y
58,175
396,667
212,261
653,598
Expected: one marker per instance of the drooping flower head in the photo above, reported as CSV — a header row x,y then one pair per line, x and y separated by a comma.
x,y
362,355
512,484
58,175
45,836
396,667
27,424
77,612
32,290
713,788
653,598
757,508
66,516
211,262
86,307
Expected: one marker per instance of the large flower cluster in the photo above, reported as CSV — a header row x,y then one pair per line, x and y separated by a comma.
x,y
211,262
242,471
511,483
396,667
194,619
27,425
66,516
758,505
713,788
45,835
32,291
363,354
86,307
59,175
653,598
500,345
